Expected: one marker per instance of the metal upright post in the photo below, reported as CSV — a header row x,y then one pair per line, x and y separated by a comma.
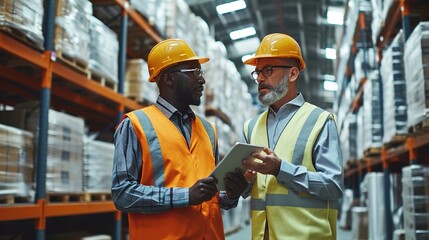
x,y
122,55
405,19
45,102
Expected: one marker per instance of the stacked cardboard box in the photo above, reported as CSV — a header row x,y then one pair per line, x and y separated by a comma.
x,y
16,162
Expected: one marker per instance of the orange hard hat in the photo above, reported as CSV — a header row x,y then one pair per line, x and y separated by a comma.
x,y
278,45
168,53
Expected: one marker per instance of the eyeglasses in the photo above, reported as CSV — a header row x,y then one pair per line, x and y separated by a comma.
x,y
266,71
196,72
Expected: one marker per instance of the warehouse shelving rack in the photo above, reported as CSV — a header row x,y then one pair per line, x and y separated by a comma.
x,y
415,148
71,91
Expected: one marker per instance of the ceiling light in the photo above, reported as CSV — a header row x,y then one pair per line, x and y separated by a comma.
x,y
242,33
330,53
230,7
330,86
329,77
335,15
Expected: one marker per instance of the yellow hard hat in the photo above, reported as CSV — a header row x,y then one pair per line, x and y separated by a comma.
x,y
278,45
168,53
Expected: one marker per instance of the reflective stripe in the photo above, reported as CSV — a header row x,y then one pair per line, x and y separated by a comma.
x,y
301,142
251,126
291,200
154,147
210,132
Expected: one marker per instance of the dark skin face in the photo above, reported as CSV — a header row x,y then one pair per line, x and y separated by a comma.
x,y
181,89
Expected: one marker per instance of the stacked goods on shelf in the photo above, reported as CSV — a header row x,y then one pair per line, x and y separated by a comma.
x,y
416,63
345,143
360,222
360,133
380,10
178,17
373,126
374,184
16,162
97,165
72,35
415,194
103,59
24,16
136,84
65,145
353,138
153,11
394,90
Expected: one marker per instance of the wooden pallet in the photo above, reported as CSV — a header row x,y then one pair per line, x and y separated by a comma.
x,y
396,141
54,197
77,64
97,196
421,127
372,151
21,36
103,80
12,199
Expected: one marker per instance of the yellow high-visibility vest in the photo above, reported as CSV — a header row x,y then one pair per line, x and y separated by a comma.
x,y
169,162
287,214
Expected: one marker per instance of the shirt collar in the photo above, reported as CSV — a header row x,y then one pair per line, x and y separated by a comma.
x,y
169,110
298,101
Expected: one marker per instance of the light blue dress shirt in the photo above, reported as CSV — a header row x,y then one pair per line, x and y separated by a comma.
x,y
327,182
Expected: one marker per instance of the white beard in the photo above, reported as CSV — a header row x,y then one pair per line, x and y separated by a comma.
x,y
276,93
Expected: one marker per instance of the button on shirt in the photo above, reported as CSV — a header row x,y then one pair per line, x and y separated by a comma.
x,y
129,194
327,181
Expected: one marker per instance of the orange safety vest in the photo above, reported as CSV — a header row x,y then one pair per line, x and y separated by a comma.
x,y
169,162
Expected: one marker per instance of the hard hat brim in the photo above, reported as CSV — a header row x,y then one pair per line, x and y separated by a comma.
x,y
201,60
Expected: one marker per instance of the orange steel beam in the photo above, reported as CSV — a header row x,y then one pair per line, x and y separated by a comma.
x,y
23,51
411,147
26,80
47,74
69,209
80,80
20,212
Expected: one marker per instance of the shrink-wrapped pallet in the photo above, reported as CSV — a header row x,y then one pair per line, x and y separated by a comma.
x,y
24,16
72,35
64,145
394,90
104,49
373,131
16,162
416,63
415,194
97,166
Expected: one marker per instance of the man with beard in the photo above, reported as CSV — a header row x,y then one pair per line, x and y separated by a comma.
x,y
164,154
297,180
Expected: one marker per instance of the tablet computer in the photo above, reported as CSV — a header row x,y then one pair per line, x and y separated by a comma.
x,y
232,160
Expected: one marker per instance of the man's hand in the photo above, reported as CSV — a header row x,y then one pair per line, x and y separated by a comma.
x,y
203,190
268,162
235,183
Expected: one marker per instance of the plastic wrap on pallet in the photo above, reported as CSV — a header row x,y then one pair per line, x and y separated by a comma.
x,y
394,90
65,145
154,11
416,63
136,82
415,194
24,16
360,133
373,132
104,50
376,206
72,29
16,162
97,165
